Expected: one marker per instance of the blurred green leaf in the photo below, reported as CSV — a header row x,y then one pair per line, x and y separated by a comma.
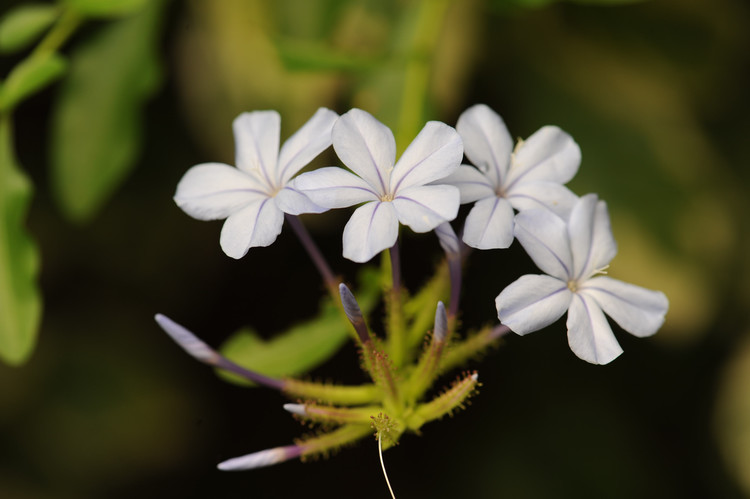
x,y
20,300
302,347
30,76
24,24
501,4
96,127
107,8
310,56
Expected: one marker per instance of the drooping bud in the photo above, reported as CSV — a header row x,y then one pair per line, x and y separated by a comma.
x,y
261,459
199,350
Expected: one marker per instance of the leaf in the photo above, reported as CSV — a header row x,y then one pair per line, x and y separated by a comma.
x,y
106,8
20,299
311,56
96,126
29,77
24,24
304,346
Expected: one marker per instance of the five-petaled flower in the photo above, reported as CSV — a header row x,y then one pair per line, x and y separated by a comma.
x,y
392,193
531,176
573,252
254,196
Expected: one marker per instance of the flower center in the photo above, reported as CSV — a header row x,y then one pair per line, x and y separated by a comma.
x,y
573,286
387,197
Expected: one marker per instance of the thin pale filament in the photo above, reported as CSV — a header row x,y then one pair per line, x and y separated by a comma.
x,y
382,465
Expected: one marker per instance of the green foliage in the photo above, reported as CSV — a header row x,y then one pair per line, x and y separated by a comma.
x,y
20,300
24,24
303,346
107,8
29,77
544,3
97,124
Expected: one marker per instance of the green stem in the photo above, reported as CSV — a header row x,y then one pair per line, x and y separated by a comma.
x,y
63,29
427,26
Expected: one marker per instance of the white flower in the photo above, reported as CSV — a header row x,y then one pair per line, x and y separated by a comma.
x,y
531,176
391,193
254,196
572,254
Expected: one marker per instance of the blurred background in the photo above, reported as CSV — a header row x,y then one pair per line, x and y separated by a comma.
x,y
654,92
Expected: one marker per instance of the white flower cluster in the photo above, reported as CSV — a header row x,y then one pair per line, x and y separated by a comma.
x,y
569,238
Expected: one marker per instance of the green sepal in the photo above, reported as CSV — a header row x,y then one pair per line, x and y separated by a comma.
x,y
451,400
96,125
20,299
21,26
420,309
28,77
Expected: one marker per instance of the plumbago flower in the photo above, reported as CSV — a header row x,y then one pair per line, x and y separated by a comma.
x,y
391,193
254,196
531,176
573,253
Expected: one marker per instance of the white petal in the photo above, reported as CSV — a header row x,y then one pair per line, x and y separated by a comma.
x,y
372,228
256,137
544,236
291,200
435,153
549,195
489,224
258,224
472,184
589,334
366,146
532,302
637,310
302,147
213,191
425,207
487,142
334,187
448,239
549,154
591,240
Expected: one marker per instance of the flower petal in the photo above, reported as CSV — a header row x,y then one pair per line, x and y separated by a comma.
x,y
549,154
487,143
554,197
258,224
372,228
532,302
212,191
589,334
591,242
366,146
489,224
256,137
637,310
333,187
544,236
425,207
435,153
291,200
471,183
448,239
302,147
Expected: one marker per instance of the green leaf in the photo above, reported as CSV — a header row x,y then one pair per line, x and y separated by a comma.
x,y
304,346
20,299
307,55
24,24
107,8
96,126
30,76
